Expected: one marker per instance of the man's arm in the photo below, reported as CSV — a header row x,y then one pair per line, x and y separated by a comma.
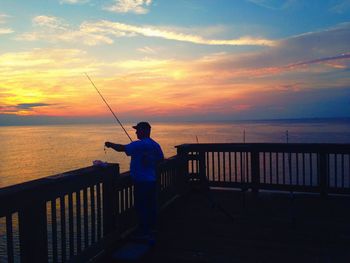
x,y
115,146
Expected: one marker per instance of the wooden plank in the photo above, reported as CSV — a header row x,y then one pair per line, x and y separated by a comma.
x,y
264,166
213,166
207,166
224,166
277,167
230,165
54,231
99,212
303,169
92,214
335,169
283,168
63,228
270,167
235,167
255,170
110,202
342,171
323,169
241,167
9,239
79,219
311,168
86,218
71,225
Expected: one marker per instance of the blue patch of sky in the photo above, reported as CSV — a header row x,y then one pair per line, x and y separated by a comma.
x,y
303,16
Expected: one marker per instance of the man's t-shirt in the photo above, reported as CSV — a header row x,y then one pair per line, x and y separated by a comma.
x,y
145,154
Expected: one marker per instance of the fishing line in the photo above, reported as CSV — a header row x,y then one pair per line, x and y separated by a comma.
x,y
121,125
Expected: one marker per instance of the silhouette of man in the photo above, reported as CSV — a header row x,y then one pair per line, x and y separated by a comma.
x,y
145,155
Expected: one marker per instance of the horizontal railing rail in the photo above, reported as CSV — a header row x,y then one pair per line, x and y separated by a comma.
x,y
322,168
73,216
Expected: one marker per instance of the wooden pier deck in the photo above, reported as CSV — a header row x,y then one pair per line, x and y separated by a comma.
x,y
234,226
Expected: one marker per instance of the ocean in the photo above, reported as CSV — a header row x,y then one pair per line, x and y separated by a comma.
x,y
31,152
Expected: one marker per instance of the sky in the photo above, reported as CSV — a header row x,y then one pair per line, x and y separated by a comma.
x,y
174,60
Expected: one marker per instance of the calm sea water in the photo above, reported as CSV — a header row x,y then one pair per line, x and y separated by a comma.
x,y
30,152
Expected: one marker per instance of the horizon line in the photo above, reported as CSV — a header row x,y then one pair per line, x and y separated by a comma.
x,y
60,120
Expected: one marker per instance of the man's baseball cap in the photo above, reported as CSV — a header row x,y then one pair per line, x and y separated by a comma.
x,y
142,126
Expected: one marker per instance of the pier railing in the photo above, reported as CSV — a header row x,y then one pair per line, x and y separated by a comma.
x,y
319,168
74,216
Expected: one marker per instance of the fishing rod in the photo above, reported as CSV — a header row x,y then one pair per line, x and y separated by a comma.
x,y
121,125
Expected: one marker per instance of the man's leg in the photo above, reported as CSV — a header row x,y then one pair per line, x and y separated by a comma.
x,y
152,210
152,205
141,206
146,205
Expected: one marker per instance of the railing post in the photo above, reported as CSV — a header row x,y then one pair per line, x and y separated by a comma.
x,y
255,169
323,173
182,177
202,170
110,201
33,232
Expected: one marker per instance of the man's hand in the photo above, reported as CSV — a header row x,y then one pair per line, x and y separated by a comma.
x,y
115,146
108,144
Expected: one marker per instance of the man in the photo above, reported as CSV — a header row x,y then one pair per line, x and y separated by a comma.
x,y
145,155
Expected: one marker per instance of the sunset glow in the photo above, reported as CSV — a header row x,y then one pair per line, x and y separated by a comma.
x,y
183,60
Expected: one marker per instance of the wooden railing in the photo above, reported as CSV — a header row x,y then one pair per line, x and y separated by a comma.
x,y
322,168
74,216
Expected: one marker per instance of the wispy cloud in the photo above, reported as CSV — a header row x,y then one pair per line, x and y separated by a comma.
x,y
115,28
147,50
54,29
320,60
3,20
273,4
73,2
342,7
4,31
22,108
50,22
129,6
28,106
8,109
